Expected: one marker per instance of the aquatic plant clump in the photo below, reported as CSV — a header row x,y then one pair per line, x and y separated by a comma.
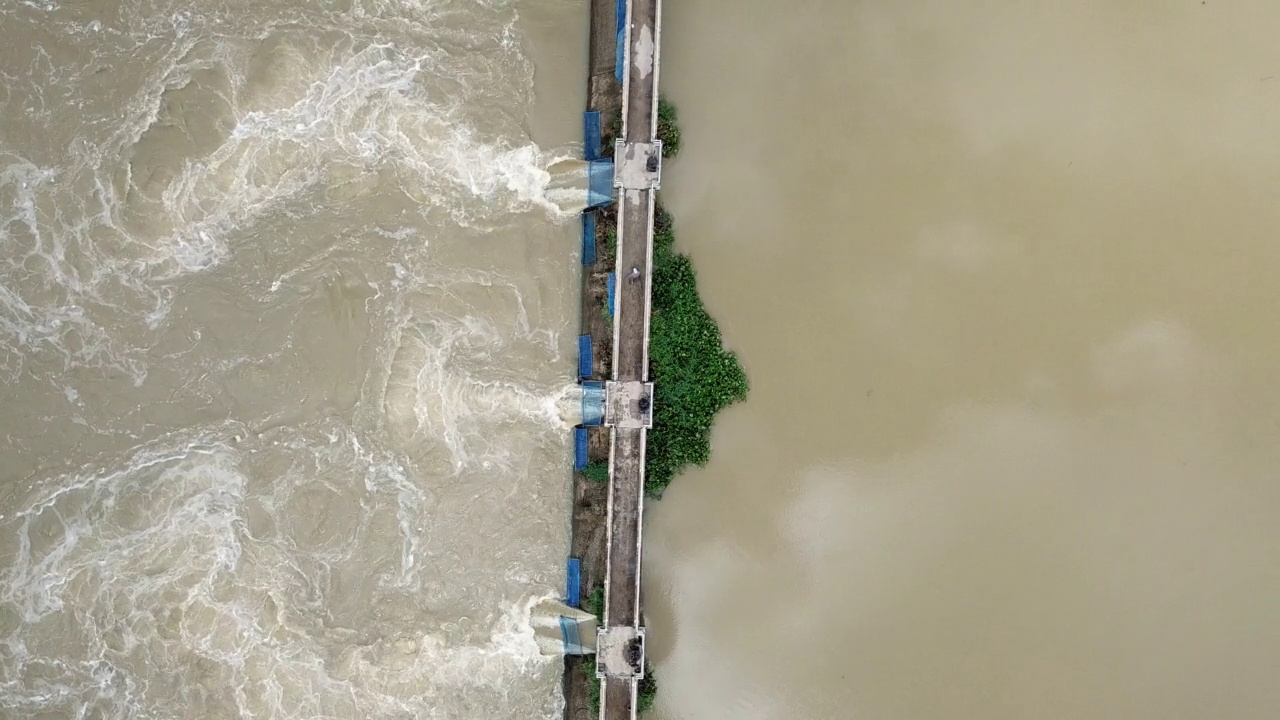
x,y
648,690
694,376
668,129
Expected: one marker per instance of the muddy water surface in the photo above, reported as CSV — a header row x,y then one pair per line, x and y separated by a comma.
x,y
1003,276
288,293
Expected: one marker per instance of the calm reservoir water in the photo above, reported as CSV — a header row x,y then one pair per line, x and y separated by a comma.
x,y
1003,275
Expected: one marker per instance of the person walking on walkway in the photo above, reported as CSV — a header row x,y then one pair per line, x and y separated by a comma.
x,y
635,274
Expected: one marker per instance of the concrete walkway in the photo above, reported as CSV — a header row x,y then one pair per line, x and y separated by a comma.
x,y
637,162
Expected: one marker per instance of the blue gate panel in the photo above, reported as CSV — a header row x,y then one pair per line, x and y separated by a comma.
x,y
611,286
579,448
591,134
584,356
621,11
573,585
588,238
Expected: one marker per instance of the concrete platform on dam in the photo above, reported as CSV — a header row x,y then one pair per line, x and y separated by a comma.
x,y
637,166
620,653
628,404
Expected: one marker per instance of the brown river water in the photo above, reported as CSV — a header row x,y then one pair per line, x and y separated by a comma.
x,y
1004,278
288,298
288,293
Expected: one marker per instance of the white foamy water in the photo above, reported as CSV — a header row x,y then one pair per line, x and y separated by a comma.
x,y
287,302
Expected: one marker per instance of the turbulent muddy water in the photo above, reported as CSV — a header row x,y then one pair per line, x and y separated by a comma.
x,y
1003,275
287,301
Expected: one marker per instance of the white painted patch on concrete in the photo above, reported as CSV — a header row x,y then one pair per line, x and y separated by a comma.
x,y
642,51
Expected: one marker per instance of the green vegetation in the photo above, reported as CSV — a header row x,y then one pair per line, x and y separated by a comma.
x,y
611,240
612,131
648,690
593,689
694,376
646,694
596,472
668,129
595,601
594,604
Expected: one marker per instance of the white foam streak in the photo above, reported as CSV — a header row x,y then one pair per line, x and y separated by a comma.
x,y
155,564
444,384
379,106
